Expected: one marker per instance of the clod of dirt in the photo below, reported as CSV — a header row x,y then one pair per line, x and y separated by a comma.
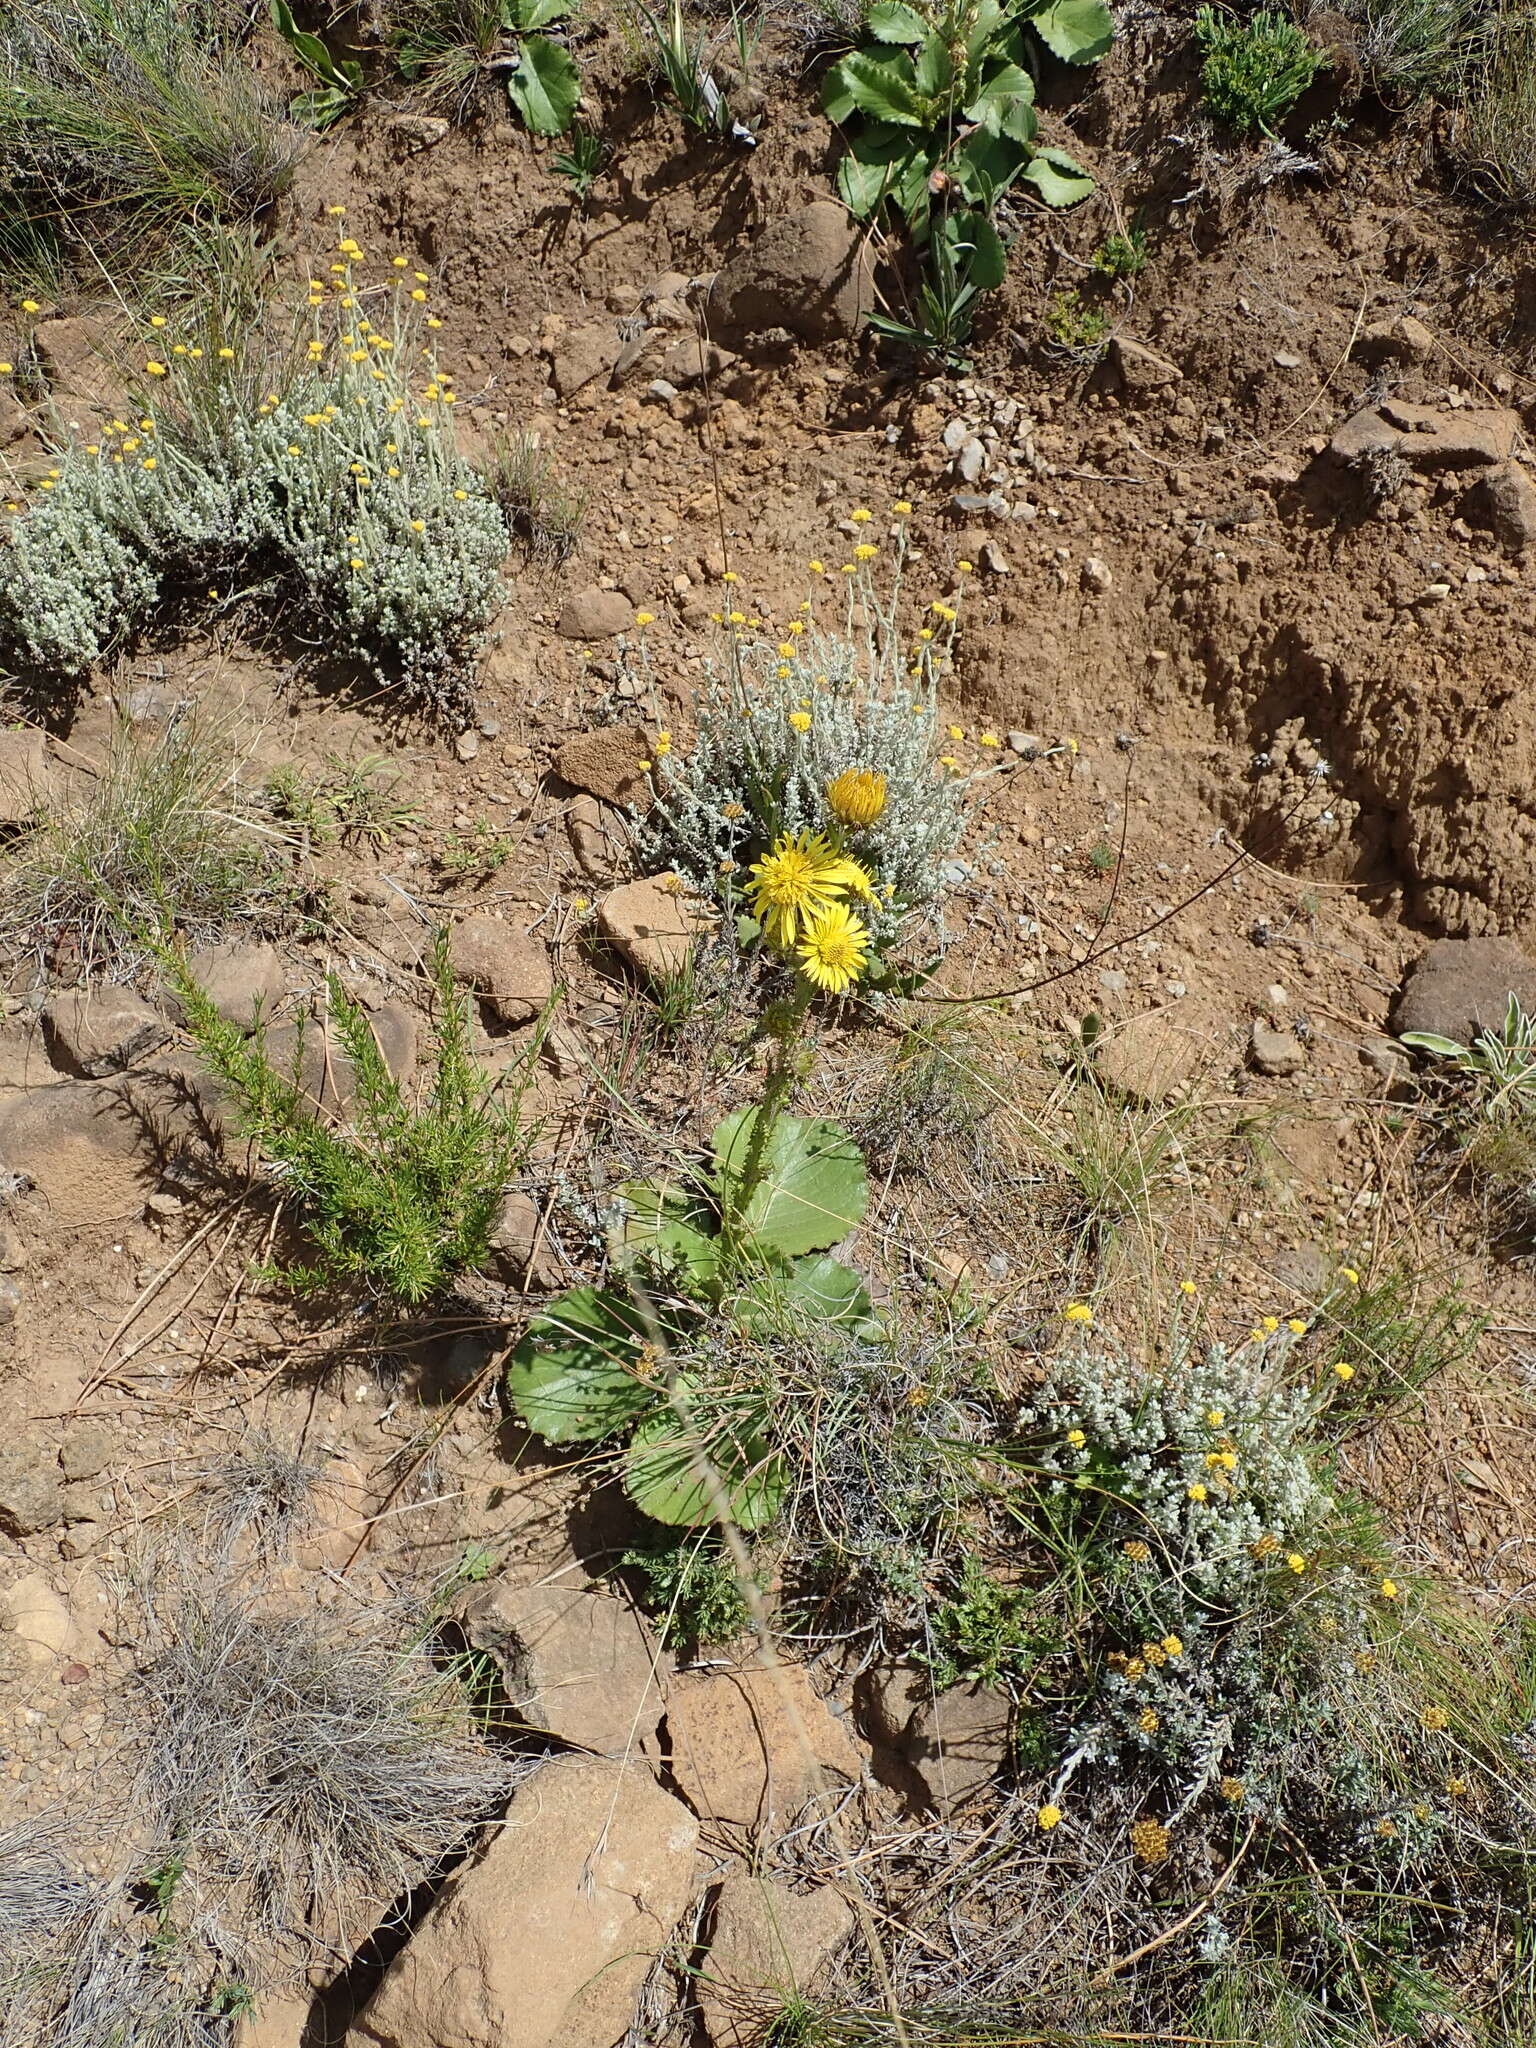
x,y
1276,1053
1504,501
595,615
1404,340
606,761
75,355
583,355
92,1033
1142,370
768,1943
503,965
652,926
1462,986
577,1662
595,1866
24,778
39,1619
692,361
809,272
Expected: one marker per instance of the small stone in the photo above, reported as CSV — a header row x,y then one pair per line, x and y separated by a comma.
x,y
652,926
419,131
519,1246
576,1662
972,460
583,355
993,560
595,615
1276,1053
1142,369
1503,500
506,967
466,746
955,436
1028,744
1286,361
1095,575
692,361
88,1449
99,1031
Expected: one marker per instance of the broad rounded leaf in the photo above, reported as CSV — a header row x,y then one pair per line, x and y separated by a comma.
x,y
1076,31
1058,180
545,88
892,21
934,70
574,1376
827,1287
673,1228
812,1188
665,1478
523,15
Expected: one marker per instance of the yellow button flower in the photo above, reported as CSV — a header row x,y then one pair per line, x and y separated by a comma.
x,y
1077,1312
857,796
1048,1817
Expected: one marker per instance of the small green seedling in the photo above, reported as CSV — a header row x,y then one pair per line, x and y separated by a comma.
x,y
1254,71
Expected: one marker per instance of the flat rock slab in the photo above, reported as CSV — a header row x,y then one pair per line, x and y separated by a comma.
x,y
1459,987
577,1662
751,1747
544,1939
769,1944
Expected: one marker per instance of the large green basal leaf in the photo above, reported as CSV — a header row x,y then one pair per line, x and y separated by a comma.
x,y
574,1378
892,21
1076,31
664,1475
546,87
882,87
671,1227
812,1190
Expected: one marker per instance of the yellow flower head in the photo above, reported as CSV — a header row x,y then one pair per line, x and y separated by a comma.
x,y
901,508
155,369
1196,1492
1350,1275
1231,1789
645,618
834,949
1148,1721
857,796
1216,1417
1389,1589
866,551
1343,1371
1435,1718
1137,1551
1296,1561
1172,1646
1296,1326
31,306
1076,1439
818,568
800,720
1150,1842
1188,1287
1077,1312
1049,1817
802,876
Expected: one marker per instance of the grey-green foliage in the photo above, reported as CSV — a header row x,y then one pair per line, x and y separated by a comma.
x,y
318,460
398,1201
1254,71
750,775
121,120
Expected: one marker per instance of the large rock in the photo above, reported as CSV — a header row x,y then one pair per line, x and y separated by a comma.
x,y
594,614
585,354
605,762
24,781
579,1663
244,979
31,1495
276,2021
808,271
751,1747
769,1944
1428,439
952,1743
545,1938
502,964
1460,987
1504,501
91,1032
652,926
86,1147
1154,1056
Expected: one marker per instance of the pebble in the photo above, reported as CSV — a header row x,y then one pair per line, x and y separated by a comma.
x,y
1029,744
1095,575
955,436
467,745
973,460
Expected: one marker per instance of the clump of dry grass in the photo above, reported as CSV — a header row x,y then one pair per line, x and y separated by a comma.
x,y
262,1491
311,1765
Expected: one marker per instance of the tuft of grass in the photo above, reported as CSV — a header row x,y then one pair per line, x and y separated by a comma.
x,y
539,507
400,1201
124,121
353,802
936,1090
309,1767
262,1491
1395,1342
1494,132
446,49
1254,71
160,837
